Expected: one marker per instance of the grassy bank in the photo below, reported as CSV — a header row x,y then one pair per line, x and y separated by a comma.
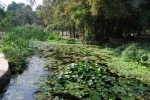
x,y
92,73
16,45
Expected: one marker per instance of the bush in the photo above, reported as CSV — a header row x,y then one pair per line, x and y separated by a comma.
x,y
16,50
54,37
51,37
57,38
120,49
71,41
134,52
30,32
131,52
16,44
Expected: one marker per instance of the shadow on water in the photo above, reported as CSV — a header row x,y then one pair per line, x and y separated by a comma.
x,y
24,86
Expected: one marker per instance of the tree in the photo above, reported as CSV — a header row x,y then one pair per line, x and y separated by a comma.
x,y
6,22
22,14
39,8
25,15
64,15
38,11
14,6
97,19
2,16
5,18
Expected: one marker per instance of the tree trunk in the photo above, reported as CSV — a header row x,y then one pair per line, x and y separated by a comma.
x,y
70,33
74,29
62,31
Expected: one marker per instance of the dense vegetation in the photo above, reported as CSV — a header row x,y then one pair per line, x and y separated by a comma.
x,y
93,73
96,19
16,44
110,71
18,25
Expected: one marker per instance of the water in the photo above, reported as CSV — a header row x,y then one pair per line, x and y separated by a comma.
x,y
24,86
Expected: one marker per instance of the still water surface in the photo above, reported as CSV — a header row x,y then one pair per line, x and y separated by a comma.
x,y
24,86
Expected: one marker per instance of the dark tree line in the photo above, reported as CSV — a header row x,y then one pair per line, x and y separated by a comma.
x,y
97,19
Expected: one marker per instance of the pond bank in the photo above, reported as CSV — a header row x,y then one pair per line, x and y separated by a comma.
x,y
4,71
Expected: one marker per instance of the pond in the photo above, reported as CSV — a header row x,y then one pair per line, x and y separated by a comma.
x,y
24,86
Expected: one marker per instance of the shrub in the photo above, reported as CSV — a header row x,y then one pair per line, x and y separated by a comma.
x,y
30,32
16,44
134,52
120,49
57,38
16,51
131,52
54,37
51,37
71,41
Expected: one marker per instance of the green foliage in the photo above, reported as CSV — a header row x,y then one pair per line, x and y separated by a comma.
x,y
71,41
99,75
97,19
54,37
131,52
51,37
14,6
83,80
5,20
23,14
16,50
134,52
30,32
16,44
130,69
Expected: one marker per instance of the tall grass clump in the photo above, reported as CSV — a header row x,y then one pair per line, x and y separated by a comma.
x,y
16,44
135,52
131,52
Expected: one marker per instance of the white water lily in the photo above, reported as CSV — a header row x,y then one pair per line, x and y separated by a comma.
x,y
90,67
59,77
67,76
99,69
66,73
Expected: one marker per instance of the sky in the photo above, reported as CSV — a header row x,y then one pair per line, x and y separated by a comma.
x,y
7,2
